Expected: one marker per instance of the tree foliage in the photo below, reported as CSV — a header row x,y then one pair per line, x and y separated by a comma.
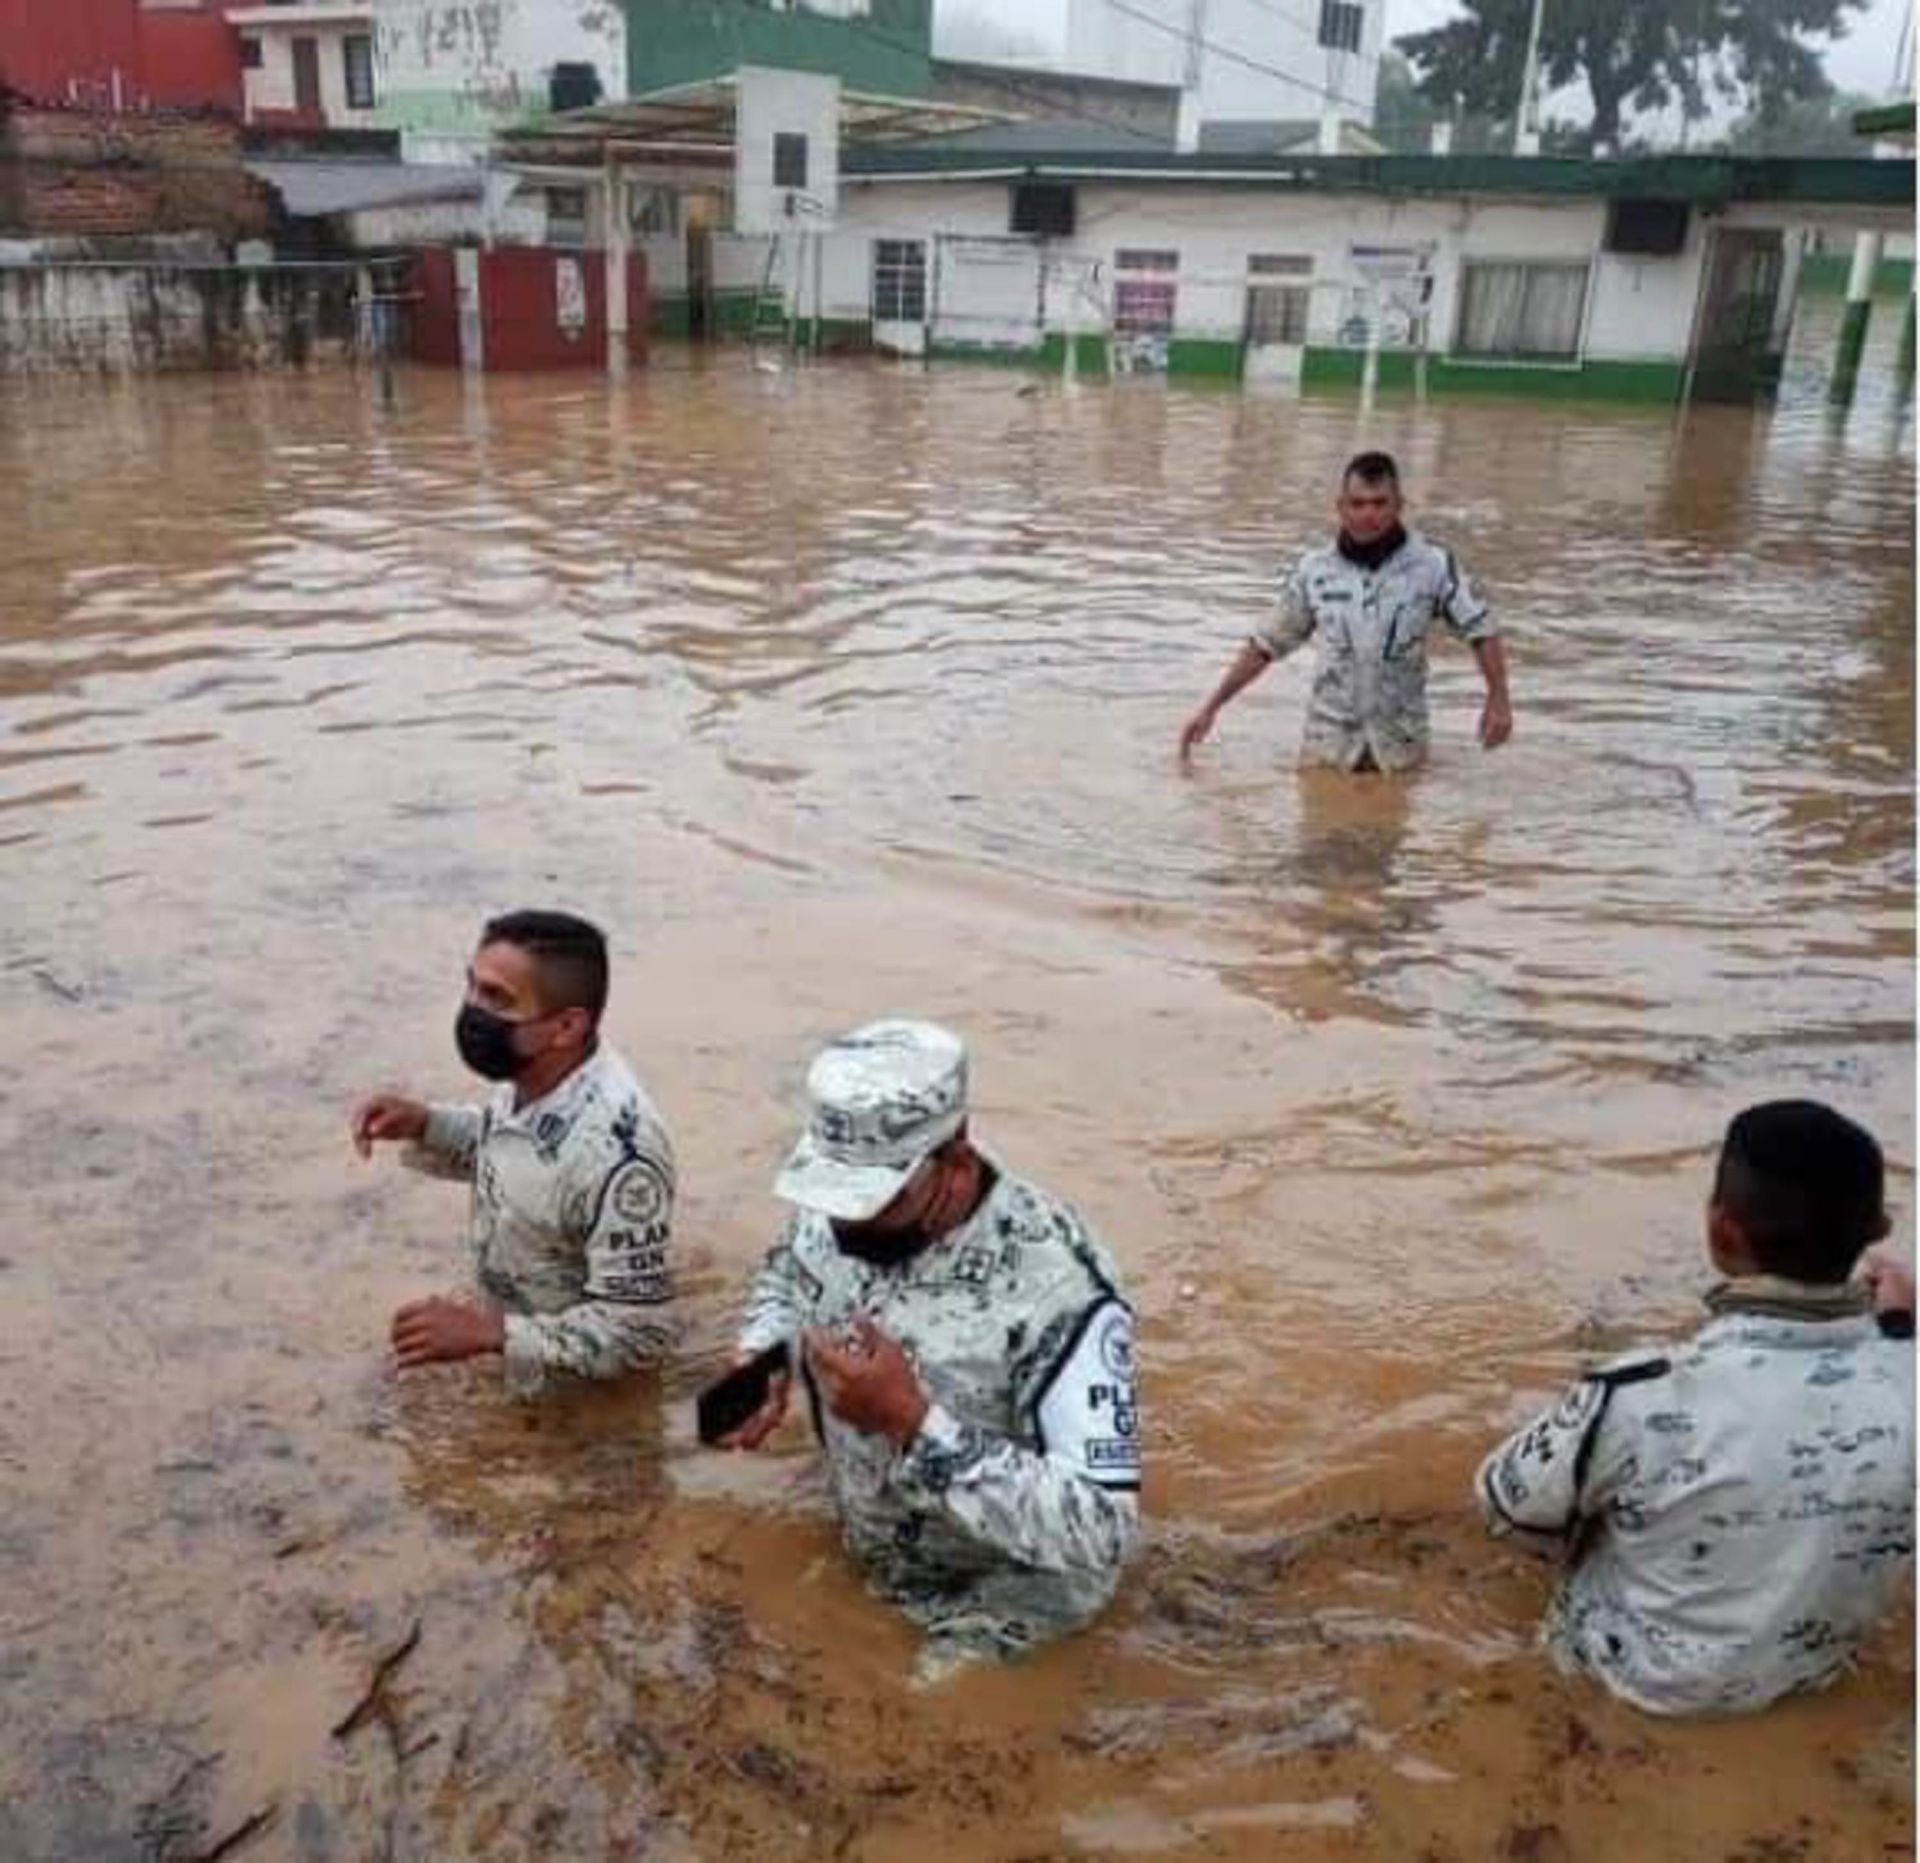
x,y
1632,54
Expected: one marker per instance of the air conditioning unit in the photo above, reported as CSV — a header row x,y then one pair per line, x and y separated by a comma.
x,y
1044,208
572,87
1654,229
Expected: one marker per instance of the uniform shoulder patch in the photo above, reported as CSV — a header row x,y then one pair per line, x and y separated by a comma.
x,y
637,1195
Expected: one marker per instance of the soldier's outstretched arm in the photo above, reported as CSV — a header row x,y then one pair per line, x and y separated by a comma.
x,y
447,1143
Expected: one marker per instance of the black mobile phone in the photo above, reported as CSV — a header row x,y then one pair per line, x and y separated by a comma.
x,y
728,1402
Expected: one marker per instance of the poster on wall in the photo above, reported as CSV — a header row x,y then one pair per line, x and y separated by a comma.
x,y
570,298
1393,284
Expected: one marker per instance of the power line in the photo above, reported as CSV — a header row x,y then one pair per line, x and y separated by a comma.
x,y
1236,58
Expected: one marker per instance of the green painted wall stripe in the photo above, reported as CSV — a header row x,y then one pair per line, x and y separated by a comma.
x,y
1089,353
1195,355
989,352
1825,275
1588,381
1846,358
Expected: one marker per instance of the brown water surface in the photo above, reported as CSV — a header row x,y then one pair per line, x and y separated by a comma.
x,y
850,690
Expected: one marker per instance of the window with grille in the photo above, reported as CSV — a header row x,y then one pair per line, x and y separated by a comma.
x,y
1277,313
1529,312
789,159
899,281
1341,24
566,216
655,213
1144,290
1280,265
1143,306
356,53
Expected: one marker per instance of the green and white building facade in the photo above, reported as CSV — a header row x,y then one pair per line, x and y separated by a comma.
x,y
1646,280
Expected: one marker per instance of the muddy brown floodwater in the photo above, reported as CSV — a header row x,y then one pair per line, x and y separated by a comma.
x,y
847,690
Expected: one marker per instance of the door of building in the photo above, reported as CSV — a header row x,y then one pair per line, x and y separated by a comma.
x,y
1735,354
1279,298
306,76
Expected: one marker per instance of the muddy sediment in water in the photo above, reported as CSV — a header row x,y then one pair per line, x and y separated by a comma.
x,y
833,693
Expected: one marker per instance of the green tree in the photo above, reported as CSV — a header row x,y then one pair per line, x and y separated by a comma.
x,y
1404,116
1632,54
1802,126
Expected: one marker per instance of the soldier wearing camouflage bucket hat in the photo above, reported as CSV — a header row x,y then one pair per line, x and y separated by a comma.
x,y
967,1351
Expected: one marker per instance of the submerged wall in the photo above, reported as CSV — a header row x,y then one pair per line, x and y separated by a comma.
x,y
103,317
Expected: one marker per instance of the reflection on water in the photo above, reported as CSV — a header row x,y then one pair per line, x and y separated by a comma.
x,y
832,692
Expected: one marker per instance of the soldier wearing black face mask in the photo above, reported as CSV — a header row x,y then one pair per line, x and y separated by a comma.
x,y
967,1352
571,1168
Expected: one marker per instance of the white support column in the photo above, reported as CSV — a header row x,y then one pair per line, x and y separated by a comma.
x,y
614,202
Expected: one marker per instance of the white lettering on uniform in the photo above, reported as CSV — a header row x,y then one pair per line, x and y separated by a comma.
x,y
1089,1415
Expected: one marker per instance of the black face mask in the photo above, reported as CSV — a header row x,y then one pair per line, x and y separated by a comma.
x,y
485,1041
880,1247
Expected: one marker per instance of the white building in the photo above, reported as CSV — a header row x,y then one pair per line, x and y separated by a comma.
x,y
309,64
1644,281
449,74
1242,63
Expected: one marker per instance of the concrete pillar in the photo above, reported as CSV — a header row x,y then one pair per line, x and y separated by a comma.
x,y
1853,320
614,197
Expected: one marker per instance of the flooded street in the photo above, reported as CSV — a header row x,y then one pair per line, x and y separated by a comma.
x,y
842,691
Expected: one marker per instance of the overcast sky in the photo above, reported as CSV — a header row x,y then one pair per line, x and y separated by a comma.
x,y
1862,61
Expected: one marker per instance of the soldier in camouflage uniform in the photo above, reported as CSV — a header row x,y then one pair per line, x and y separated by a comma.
x,y
571,1169
967,1352
1369,600
1737,1514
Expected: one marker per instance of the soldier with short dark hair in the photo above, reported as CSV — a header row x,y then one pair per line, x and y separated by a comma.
x,y
571,1168
1737,1513
1368,601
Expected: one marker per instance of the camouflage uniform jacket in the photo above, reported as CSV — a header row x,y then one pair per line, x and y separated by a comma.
x,y
1739,1515
572,1208
1370,627
1009,1516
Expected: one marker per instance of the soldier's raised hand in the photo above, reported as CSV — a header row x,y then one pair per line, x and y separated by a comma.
x,y
868,1381
386,1117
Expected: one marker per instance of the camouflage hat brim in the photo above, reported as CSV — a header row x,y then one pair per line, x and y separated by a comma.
x,y
815,1179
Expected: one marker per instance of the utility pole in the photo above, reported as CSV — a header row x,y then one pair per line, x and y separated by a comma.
x,y
1192,78
1526,117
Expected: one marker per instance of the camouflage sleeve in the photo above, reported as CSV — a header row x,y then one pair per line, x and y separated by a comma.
x,y
1544,1480
1072,1504
1467,617
1291,623
782,1296
449,1145
623,1318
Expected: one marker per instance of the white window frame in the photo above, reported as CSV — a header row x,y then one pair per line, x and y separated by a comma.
x,y
1521,359
564,230
1335,14
370,98
896,275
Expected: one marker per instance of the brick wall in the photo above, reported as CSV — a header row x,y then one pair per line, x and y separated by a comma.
x,y
93,174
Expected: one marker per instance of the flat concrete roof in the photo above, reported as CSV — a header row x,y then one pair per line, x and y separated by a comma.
x,y
1702,180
